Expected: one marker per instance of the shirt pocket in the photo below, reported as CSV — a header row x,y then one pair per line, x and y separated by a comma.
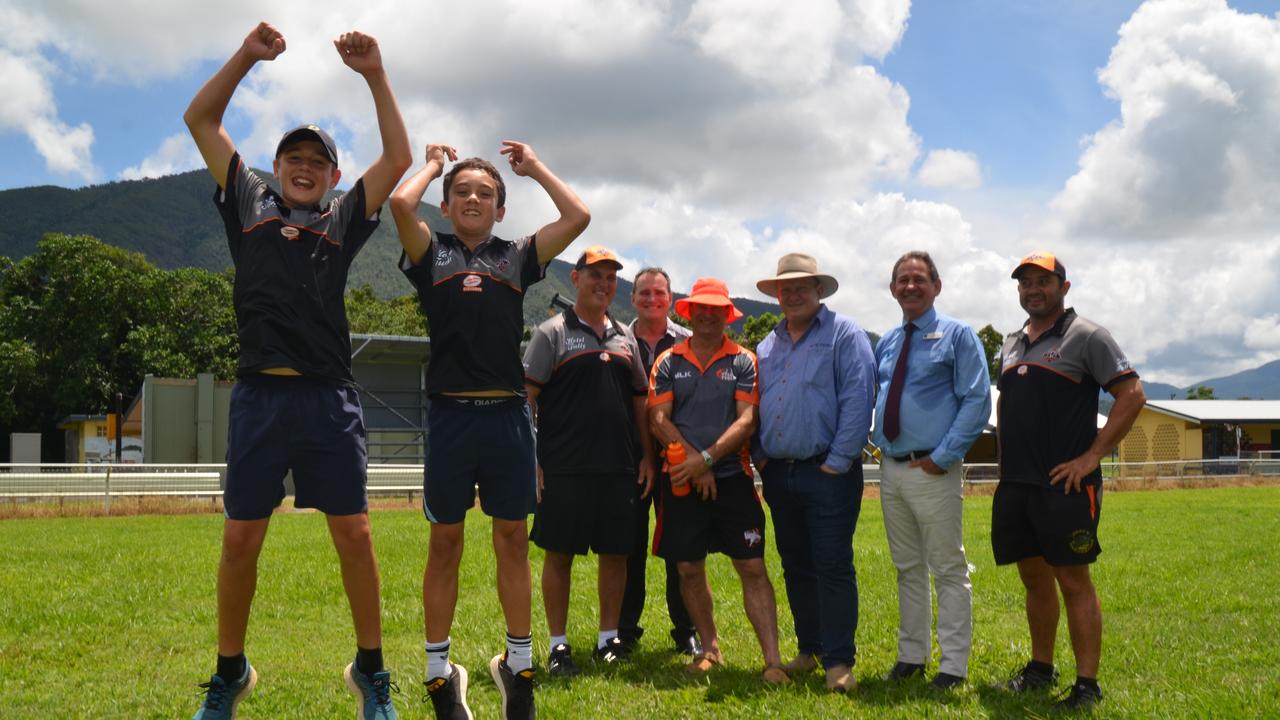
x,y
934,360
819,369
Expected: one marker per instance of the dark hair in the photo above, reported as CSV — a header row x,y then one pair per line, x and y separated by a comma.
x,y
654,270
920,255
482,165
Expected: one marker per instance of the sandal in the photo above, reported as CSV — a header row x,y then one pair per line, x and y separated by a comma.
x,y
703,662
774,675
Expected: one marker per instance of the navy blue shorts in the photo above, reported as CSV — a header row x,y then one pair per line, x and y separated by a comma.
x,y
479,441
312,427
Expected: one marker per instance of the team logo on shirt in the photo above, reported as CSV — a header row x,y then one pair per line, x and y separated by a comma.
x,y
752,537
604,357
1052,356
442,257
267,203
683,374
289,232
503,264
1022,369
726,374
471,283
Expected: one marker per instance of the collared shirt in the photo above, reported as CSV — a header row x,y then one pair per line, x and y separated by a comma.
x,y
1049,396
474,303
816,394
588,385
648,355
704,400
291,275
946,397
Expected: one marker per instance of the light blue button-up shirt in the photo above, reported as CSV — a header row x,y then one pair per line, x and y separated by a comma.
x,y
816,395
946,399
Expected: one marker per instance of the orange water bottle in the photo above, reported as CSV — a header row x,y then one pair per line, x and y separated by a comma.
x,y
676,456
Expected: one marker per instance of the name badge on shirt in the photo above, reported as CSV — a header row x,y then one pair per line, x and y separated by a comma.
x,y
937,335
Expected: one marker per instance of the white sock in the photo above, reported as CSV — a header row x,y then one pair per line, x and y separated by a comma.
x,y
438,660
559,640
605,637
519,652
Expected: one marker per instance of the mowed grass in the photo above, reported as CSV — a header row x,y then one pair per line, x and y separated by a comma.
x,y
115,618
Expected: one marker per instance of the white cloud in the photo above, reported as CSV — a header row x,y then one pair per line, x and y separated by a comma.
x,y
876,26
781,44
30,109
950,169
1263,333
176,154
1195,149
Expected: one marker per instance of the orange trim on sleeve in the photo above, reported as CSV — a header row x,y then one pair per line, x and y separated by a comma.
x,y
752,397
656,400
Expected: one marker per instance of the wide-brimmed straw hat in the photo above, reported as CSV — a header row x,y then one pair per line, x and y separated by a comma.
x,y
798,265
708,291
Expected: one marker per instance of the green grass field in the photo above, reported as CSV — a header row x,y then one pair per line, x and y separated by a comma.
x,y
115,618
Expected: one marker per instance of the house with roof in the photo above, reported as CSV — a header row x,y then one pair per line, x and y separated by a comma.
x,y
1168,430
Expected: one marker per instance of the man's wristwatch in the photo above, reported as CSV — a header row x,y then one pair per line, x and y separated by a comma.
x,y
706,458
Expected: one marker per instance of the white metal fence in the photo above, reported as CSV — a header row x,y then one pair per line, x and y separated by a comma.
x,y
71,481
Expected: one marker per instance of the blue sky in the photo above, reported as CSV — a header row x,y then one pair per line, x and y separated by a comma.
x,y
711,136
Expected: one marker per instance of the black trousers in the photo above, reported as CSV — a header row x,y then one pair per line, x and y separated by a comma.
x,y
634,594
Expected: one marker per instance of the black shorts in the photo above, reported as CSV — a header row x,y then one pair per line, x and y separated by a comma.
x,y
689,527
315,428
586,511
1042,521
485,442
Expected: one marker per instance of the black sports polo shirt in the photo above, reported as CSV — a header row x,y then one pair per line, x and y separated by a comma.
x,y
704,400
474,304
291,275
588,386
1049,396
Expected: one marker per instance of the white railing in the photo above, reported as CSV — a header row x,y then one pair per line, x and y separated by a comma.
x,y
90,481
79,481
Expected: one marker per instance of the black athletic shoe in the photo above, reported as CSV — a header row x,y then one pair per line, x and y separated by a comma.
x,y
560,662
449,695
1079,697
631,637
903,671
1030,679
612,652
946,681
516,689
687,643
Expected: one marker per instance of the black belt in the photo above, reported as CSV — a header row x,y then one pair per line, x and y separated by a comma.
x,y
913,455
803,461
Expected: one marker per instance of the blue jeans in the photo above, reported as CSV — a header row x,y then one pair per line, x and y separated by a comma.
x,y
814,516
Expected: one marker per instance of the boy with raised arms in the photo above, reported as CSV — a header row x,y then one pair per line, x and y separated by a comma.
x,y
295,405
479,433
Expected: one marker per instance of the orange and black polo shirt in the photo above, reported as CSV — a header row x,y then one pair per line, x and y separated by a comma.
x,y
1049,396
291,275
474,303
704,400
588,386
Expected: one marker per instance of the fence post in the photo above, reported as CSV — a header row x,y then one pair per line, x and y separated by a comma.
x,y
106,492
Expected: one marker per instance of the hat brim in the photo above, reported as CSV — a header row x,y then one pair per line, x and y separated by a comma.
x,y
827,285
616,265
1052,270
304,134
682,306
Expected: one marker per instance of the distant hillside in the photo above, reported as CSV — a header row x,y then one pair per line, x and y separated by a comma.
x,y
1260,383
172,221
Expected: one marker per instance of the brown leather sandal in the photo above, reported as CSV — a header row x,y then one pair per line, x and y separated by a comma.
x,y
703,662
774,675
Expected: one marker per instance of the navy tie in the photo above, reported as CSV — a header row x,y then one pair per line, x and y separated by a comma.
x,y
893,404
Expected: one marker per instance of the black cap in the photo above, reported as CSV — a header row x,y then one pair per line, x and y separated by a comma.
x,y
309,132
